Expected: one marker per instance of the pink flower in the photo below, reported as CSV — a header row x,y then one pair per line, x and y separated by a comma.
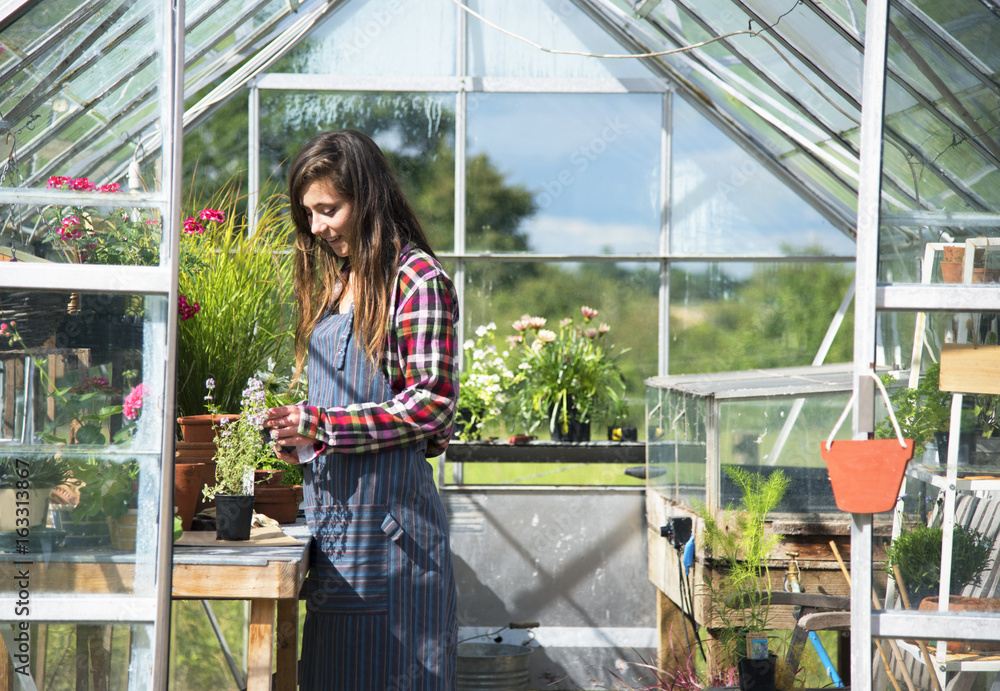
x,y
546,336
588,313
57,182
192,227
604,328
111,188
71,228
590,333
565,322
133,402
536,322
185,309
212,215
81,184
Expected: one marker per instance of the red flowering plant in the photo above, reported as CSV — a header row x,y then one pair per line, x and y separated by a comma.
x,y
117,235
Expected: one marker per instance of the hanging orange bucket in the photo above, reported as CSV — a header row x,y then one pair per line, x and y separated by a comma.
x,y
866,474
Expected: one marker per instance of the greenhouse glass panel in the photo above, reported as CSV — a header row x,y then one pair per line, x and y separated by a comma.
x,y
624,295
726,316
83,381
554,25
564,173
761,421
79,89
723,201
415,131
371,38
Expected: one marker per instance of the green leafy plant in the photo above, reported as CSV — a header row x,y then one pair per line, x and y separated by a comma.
x,y
108,487
483,384
244,318
921,412
566,373
917,553
241,445
38,473
925,411
740,543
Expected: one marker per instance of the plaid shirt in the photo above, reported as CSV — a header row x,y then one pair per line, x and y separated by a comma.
x,y
420,365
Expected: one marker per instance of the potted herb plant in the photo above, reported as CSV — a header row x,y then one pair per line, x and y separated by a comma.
x,y
567,378
917,553
241,446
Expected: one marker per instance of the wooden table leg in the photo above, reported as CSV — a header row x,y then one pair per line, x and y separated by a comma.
x,y
261,645
287,645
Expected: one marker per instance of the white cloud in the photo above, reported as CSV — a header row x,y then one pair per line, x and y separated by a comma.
x,y
567,235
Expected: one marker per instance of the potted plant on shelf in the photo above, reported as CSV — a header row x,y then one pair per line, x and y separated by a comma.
x,y
567,378
25,484
109,491
916,555
242,446
924,415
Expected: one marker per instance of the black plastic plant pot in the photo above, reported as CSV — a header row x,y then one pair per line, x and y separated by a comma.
x,y
233,516
757,675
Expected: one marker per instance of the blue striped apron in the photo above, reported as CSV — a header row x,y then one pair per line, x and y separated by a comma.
x,y
380,594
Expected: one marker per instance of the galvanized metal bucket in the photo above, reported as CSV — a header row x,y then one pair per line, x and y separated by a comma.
x,y
492,667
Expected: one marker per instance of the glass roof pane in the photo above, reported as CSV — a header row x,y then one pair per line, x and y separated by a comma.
x,y
585,162
825,52
949,104
554,24
375,38
93,76
723,201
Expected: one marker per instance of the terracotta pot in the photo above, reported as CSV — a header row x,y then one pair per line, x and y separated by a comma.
x,y
280,503
201,428
189,478
194,451
866,474
959,603
267,477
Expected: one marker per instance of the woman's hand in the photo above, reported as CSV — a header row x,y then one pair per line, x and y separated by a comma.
x,y
282,424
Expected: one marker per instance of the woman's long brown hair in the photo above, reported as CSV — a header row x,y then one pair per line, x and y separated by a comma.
x,y
383,222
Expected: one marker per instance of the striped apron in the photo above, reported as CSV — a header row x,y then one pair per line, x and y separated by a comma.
x,y
380,594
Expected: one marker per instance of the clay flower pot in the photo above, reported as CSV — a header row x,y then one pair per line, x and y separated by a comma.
x,y
866,474
280,503
201,428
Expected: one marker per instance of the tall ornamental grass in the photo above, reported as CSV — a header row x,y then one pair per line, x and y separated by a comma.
x,y
245,320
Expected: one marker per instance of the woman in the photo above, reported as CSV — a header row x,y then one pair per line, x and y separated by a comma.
x,y
377,317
